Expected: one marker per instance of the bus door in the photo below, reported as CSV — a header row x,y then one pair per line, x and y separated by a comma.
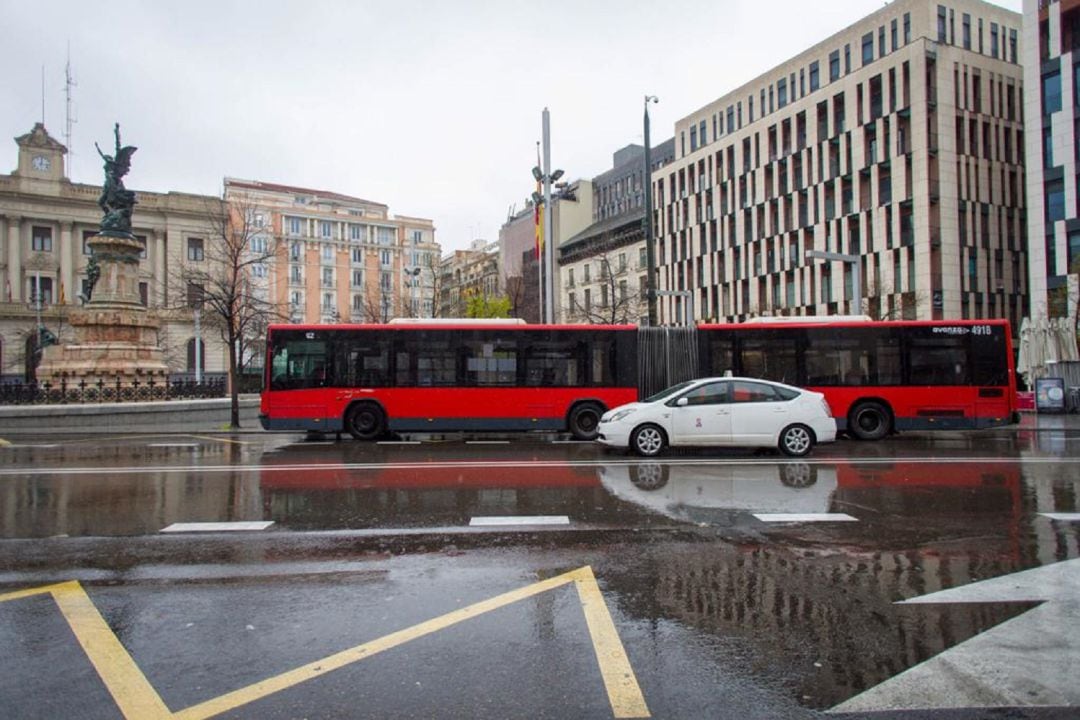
x,y
299,361
993,393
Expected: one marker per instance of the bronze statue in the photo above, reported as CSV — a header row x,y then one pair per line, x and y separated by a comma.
x,y
116,202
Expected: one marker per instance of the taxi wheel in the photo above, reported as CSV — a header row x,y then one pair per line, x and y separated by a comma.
x,y
365,421
648,440
796,440
585,421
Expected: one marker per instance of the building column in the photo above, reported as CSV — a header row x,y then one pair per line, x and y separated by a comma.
x,y
14,291
65,280
157,250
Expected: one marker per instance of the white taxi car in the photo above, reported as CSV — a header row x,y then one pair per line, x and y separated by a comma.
x,y
729,411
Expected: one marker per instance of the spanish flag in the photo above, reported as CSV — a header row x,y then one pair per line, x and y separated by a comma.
x,y
61,293
538,220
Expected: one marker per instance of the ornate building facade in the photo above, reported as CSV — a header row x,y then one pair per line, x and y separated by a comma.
x,y
45,222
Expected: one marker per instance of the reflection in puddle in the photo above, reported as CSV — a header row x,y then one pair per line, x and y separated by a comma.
x,y
674,490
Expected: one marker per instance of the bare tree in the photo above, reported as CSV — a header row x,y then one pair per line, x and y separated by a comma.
x,y
882,302
225,282
617,303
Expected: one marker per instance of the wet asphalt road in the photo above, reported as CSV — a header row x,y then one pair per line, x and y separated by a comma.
x,y
393,582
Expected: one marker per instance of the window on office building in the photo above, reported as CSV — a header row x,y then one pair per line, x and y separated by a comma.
x,y
1055,200
815,80
1051,92
868,48
834,65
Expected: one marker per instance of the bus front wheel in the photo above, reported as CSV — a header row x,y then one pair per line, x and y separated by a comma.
x,y
870,421
585,421
365,421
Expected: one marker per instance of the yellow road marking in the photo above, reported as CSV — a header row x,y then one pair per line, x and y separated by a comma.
x,y
132,692
622,687
137,699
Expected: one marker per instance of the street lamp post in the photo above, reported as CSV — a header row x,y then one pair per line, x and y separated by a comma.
x,y
650,256
856,271
545,176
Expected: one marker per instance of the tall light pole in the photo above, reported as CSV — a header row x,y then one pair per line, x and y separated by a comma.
x,y
650,254
856,272
547,262
549,255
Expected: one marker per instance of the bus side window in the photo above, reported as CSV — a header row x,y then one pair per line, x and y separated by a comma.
x,y
279,368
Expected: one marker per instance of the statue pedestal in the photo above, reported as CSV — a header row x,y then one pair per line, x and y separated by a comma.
x,y
116,339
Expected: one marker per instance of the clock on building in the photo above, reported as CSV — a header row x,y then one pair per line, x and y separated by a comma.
x,y
40,162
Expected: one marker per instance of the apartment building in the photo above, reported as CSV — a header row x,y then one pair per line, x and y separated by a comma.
x,y
45,221
1051,39
466,273
896,144
602,269
339,258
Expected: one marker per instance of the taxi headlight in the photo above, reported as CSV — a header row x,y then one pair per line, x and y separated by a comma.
x,y
620,414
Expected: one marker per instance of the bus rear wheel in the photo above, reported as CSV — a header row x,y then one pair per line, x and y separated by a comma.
x,y
869,421
365,421
585,421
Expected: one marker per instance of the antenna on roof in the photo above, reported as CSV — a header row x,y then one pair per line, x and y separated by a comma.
x,y
69,83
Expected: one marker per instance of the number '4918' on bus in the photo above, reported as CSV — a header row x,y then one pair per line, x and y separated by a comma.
x,y
476,376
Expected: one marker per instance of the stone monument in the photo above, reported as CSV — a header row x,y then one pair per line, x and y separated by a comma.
x,y
116,339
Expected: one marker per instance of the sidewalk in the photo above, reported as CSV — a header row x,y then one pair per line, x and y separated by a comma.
x,y
203,416
1048,421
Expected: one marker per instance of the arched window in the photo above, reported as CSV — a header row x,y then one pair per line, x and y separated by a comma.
x,y
191,344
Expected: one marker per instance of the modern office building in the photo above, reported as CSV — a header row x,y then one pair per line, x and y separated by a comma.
x,y
896,144
45,221
602,269
1051,38
340,258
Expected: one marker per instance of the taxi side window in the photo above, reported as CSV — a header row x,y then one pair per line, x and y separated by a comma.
x,y
751,392
711,394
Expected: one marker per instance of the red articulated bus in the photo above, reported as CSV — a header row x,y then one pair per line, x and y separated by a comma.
x,y
431,376
879,377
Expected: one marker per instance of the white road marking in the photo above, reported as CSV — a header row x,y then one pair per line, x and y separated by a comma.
x,y
239,526
804,517
173,445
1063,517
487,442
515,520
1030,660
599,462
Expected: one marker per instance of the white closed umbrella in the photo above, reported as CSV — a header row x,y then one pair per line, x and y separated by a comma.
x,y
1067,340
1040,347
1023,362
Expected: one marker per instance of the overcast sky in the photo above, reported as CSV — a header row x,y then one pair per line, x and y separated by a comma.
x,y
431,107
